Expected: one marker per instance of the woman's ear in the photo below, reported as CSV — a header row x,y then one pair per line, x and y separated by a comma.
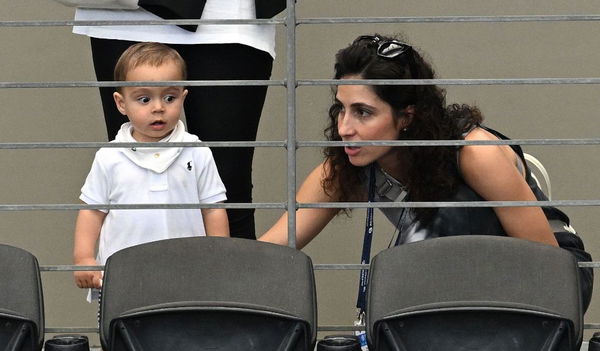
x,y
120,102
409,113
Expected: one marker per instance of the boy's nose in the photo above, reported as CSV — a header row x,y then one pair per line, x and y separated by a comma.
x,y
158,106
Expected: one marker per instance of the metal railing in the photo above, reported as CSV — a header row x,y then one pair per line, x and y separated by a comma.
x,y
291,83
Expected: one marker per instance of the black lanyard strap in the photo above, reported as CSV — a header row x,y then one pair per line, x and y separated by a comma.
x,y
361,301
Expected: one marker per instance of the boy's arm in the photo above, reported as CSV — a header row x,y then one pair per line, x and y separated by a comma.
x,y
87,232
215,221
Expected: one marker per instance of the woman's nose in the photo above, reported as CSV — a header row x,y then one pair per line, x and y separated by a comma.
x,y
345,126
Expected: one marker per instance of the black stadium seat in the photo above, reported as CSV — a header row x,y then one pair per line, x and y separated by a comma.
x,y
474,293
208,293
21,301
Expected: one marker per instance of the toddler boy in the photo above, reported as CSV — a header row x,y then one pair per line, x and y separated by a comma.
x,y
163,175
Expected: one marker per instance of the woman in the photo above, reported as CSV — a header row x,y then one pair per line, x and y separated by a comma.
x,y
431,173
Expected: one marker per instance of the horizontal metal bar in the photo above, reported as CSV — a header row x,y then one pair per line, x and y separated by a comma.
x,y
90,330
63,207
593,264
96,145
339,266
318,20
305,82
579,141
340,328
69,268
85,330
283,205
451,19
319,328
461,81
355,328
63,23
71,330
105,84
72,268
346,266
436,204
281,143
355,267
316,267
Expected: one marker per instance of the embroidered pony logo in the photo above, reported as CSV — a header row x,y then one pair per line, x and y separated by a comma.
x,y
189,165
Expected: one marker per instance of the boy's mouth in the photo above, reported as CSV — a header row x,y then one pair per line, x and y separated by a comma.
x,y
157,124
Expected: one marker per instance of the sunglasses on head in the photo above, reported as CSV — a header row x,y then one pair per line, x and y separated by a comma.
x,y
386,48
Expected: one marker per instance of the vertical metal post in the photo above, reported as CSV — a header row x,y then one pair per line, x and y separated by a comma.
x,y
290,23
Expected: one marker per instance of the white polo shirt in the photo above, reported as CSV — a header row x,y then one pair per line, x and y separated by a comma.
x,y
115,179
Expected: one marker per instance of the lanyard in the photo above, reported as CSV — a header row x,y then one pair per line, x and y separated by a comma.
x,y
361,301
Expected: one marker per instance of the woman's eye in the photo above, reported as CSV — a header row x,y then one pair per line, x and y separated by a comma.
x,y
169,98
363,113
144,99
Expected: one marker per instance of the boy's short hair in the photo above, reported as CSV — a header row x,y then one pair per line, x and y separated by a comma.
x,y
153,54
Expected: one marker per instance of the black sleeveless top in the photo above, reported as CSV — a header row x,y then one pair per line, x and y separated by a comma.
x,y
449,221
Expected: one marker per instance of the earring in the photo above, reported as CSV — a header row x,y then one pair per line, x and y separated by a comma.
x,y
404,129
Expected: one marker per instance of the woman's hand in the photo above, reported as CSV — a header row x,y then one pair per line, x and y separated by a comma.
x,y
309,221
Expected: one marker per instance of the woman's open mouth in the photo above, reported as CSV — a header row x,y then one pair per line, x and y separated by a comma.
x,y
352,150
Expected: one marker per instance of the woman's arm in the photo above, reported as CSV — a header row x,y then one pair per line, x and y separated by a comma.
x,y
215,222
491,171
87,231
309,221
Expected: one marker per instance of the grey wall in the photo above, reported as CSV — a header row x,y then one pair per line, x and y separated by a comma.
x,y
462,50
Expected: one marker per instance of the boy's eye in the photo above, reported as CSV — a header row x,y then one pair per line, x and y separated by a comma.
x,y
169,98
144,99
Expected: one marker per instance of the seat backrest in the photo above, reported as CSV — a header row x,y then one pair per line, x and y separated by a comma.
x,y
21,301
220,283
465,274
539,173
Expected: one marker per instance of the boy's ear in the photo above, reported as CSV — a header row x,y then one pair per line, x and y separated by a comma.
x,y
185,92
119,102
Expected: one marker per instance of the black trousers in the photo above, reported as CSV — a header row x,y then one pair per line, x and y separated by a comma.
x,y
212,113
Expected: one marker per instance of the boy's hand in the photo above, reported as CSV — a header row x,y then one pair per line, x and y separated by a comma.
x,y
87,231
88,279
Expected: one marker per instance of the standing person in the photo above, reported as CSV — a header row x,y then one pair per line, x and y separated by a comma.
x,y
212,52
147,175
430,173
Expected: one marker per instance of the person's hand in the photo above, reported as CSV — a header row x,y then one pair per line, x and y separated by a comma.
x,y
88,279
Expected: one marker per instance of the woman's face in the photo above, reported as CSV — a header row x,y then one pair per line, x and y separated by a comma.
x,y
364,116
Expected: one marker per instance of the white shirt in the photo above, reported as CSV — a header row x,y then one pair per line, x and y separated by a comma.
x,y
261,37
115,179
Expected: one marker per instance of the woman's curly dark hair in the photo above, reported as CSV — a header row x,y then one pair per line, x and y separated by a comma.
x,y
432,171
